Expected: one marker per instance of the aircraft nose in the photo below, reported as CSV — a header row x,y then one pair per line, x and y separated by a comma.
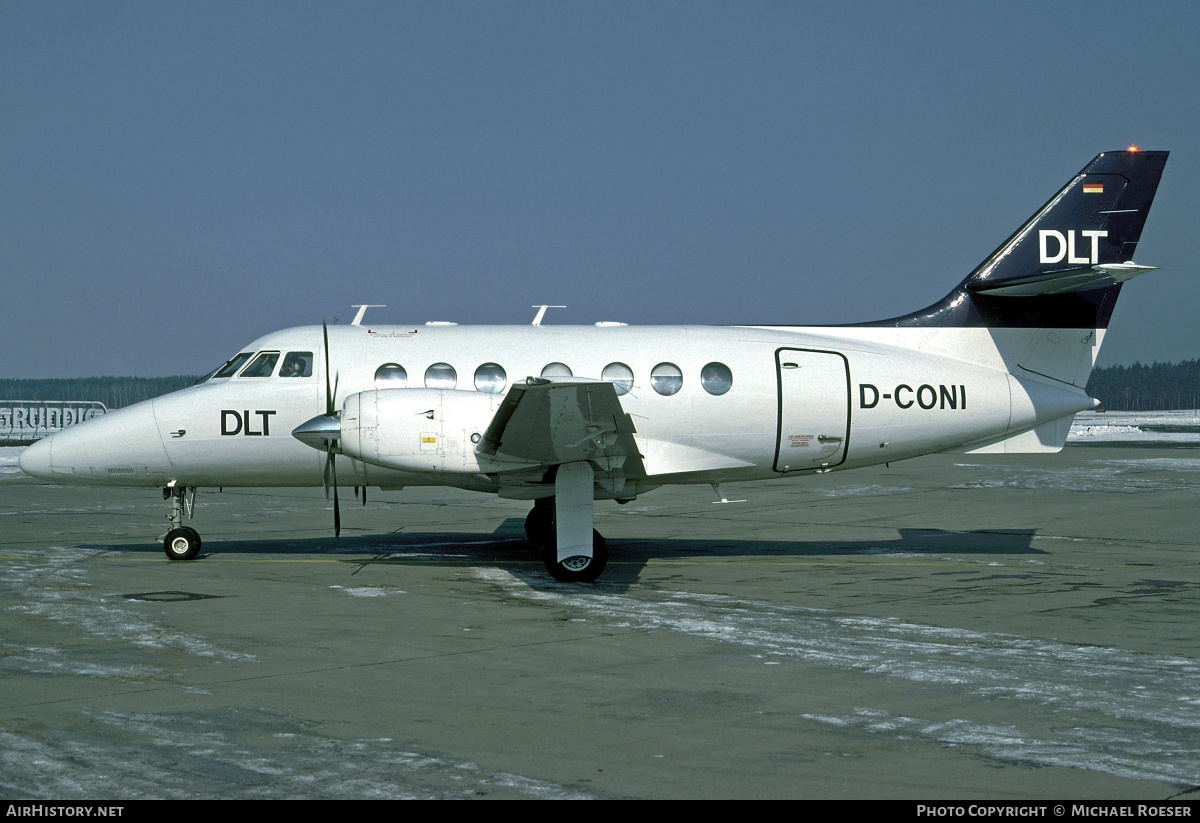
x,y
35,460
122,447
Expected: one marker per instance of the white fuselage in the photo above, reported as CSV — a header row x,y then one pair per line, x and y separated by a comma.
x,y
801,400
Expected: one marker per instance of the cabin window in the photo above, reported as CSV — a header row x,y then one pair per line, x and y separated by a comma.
x,y
261,366
441,376
391,376
557,370
230,368
620,375
716,378
490,378
666,379
297,364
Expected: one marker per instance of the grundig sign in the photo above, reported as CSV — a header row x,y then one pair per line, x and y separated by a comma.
x,y
33,419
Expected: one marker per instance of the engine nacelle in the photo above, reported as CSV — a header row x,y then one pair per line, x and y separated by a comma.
x,y
419,430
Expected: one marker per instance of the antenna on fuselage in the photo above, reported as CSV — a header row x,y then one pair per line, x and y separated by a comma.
x,y
537,321
362,309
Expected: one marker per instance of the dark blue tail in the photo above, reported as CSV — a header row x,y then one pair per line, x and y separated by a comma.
x,y
1065,266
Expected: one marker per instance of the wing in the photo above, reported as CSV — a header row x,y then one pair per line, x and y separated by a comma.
x,y
555,421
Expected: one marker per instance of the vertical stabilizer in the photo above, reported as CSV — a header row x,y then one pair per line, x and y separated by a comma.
x,y
1058,276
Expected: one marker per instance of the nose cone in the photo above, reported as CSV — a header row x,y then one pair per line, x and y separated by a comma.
x,y
35,460
122,447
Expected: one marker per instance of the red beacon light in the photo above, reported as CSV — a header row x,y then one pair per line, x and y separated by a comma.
x,y
1133,148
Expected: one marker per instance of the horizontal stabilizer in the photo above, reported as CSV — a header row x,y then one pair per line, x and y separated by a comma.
x,y
1048,438
1062,281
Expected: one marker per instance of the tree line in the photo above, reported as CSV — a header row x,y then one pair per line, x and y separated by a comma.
x,y
1147,388
1120,388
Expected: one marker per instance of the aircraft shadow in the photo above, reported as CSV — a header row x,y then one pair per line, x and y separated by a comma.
x,y
508,548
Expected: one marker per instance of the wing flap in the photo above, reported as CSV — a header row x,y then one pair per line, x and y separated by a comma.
x,y
552,421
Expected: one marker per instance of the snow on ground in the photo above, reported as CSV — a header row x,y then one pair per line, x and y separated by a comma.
x,y
1144,427
8,460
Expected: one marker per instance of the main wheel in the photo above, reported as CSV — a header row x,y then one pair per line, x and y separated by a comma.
x,y
578,569
182,543
539,523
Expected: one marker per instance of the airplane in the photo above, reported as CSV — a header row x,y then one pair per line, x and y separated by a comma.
x,y
563,416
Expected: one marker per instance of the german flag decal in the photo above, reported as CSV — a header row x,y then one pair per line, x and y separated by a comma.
x,y
1093,188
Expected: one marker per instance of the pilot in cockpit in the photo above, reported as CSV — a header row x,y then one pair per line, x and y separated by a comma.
x,y
296,364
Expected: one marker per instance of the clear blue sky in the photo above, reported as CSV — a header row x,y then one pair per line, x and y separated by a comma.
x,y
178,178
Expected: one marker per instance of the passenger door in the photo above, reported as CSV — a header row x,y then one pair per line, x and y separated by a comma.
x,y
814,409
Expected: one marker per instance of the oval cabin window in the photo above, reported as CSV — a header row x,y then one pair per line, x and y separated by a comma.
x,y
441,376
620,375
716,378
557,370
490,378
666,379
391,376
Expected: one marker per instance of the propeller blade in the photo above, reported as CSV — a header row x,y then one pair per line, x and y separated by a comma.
x,y
329,478
337,510
329,411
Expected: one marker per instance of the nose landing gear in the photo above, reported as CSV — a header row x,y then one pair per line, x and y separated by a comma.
x,y
180,542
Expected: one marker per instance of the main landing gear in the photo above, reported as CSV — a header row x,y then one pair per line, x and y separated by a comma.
x,y
566,520
541,529
180,542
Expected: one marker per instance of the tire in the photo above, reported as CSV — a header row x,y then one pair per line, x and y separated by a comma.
x,y
182,543
539,524
576,569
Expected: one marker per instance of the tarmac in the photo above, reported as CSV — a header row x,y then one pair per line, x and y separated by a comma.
x,y
952,627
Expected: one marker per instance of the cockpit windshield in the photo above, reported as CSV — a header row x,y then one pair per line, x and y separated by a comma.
x,y
295,364
262,366
230,368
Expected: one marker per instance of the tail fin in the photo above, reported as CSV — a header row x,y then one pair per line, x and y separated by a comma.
x,y
1066,264
1063,268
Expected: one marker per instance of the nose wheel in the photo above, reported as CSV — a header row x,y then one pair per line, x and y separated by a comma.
x,y
182,543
